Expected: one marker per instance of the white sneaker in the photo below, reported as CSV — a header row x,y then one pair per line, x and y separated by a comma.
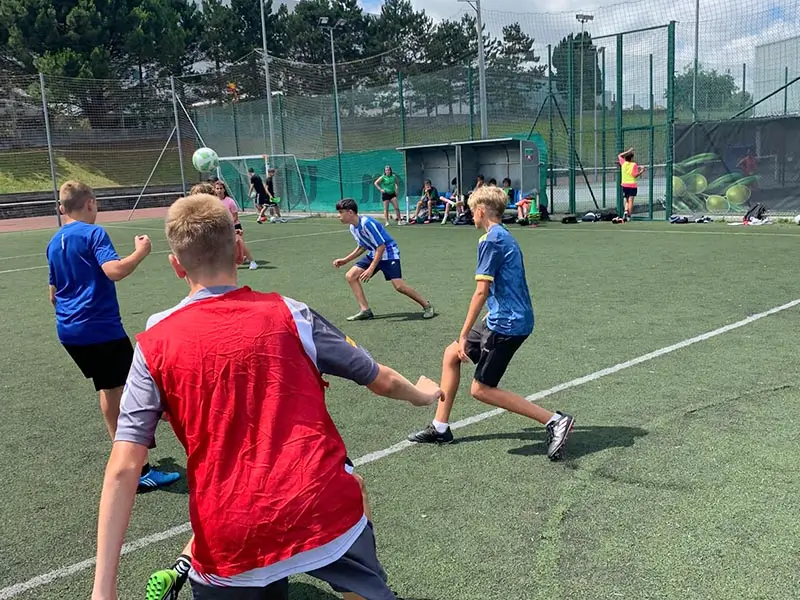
x,y
253,265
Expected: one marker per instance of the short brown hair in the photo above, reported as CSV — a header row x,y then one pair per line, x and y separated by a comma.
x,y
74,195
492,199
202,188
200,233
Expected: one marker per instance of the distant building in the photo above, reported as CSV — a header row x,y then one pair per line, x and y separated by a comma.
x,y
770,73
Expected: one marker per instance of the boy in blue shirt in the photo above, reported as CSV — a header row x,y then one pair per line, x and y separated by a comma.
x,y
492,342
83,267
382,255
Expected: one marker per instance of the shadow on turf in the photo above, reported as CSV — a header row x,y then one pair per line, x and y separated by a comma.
x,y
583,440
262,264
405,316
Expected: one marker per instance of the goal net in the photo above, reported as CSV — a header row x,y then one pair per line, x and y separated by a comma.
x,y
288,180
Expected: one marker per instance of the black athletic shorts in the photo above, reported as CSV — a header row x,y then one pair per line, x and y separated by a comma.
x,y
238,227
106,364
262,200
387,197
629,192
491,352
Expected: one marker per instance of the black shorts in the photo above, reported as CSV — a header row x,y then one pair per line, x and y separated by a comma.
x,y
262,200
391,269
388,197
629,192
491,352
106,364
238,227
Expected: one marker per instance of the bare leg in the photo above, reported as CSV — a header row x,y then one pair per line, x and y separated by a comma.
x,y
451,376
396,208
416,212
510,402
430,210
405,289
188,549
358,290
109,404
386,211
368,512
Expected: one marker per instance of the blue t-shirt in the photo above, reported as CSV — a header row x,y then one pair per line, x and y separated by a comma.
x,y
509,302
87,311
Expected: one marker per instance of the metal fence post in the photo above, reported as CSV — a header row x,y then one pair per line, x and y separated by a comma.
x,y
571,117
670,112
402,106
651,142
50,153
603,148
471,92
620,140
551,152
178,132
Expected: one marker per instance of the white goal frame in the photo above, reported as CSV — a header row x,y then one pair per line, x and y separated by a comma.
x,y
267,165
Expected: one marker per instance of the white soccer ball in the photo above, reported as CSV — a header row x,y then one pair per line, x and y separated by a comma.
x,y
205,160
797,219
273,219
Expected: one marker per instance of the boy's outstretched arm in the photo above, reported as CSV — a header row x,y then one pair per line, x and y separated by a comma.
x,y
339,262
334,353
116,502
391,384
120,268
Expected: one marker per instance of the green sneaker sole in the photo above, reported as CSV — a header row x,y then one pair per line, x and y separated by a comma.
x,y
161,585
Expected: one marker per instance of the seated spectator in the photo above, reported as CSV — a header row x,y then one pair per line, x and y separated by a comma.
x,y
493,182
524,207
430,197
455,200
479,182
510,192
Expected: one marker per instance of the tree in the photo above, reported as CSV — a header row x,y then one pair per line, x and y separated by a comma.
x,y
400,34
592,74
513,70
715,91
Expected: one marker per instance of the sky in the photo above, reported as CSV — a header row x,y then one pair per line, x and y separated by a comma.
x,y
730,30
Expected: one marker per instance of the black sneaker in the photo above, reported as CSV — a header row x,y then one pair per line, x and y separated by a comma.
x,y
429,435
556,435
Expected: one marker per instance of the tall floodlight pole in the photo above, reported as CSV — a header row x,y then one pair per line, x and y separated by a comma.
x,y
265,54
325,24
583,19
696,55
476,6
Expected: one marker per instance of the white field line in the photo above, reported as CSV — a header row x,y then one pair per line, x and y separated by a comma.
x,y
249,242
52,576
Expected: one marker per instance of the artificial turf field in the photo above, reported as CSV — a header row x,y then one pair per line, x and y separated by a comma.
x,y
681,479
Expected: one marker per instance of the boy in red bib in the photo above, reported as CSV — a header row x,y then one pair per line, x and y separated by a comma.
x,y
239,375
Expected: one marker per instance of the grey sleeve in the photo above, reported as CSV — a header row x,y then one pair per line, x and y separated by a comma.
x,y
140,408
333,352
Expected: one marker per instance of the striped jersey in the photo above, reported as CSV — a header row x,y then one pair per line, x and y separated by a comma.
x,y
369,234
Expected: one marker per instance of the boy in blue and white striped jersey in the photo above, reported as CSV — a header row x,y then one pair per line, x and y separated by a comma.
x,y
382,255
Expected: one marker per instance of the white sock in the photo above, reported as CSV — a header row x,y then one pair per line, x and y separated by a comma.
x,y
554,418
440,427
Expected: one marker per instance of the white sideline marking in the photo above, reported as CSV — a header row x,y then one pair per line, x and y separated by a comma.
x,y
47,578
274,239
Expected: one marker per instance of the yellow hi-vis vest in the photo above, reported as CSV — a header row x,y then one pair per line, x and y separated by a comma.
x,y
628,170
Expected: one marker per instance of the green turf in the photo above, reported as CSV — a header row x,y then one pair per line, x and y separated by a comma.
x,y
679,482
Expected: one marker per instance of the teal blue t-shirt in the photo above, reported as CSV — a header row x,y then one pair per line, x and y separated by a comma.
x,y
500,261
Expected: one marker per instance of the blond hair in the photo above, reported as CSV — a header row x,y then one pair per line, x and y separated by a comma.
x,y
200,233
492,199
74,195
202,188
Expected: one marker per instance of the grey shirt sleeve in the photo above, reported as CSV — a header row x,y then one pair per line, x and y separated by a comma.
x,y
333,352
140,408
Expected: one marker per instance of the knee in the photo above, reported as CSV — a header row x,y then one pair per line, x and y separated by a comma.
x,y
478,391
451,355
399,285
352,275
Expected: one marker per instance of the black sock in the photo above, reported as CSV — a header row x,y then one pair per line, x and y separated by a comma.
x,y
182,565
145,469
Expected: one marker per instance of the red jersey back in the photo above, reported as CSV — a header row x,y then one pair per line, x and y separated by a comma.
x,y
265,461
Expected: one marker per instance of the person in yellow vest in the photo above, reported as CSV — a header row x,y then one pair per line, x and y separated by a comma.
x,y
630,174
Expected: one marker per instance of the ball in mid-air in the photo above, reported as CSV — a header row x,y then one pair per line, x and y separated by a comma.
x,y
205,160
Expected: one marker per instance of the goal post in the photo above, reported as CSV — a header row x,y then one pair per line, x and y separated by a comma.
x,y
288,182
